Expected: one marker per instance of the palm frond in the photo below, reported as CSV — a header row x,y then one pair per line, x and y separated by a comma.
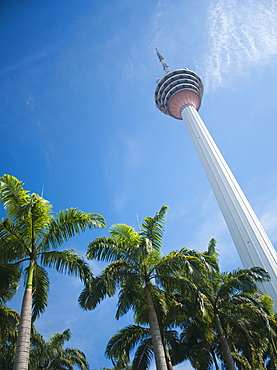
x,y
41,285
187,261
37,214
210,257
242,280
68,223
249,308
118,271
144,355
67,262
152,228
196,342
175,262
94,292
107,250
176,348
212,251
96,289
162,302
13,195
52,355
9,320
36,340
128,294
241,361
77,358
259,274
122,343
58,339
124,234
147,254
13,246
9,277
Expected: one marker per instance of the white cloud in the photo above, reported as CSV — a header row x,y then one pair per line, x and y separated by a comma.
x,y
198,222
129,68
241,34
27,62
120,201
269,220
125,160
157,23
123,164
214,226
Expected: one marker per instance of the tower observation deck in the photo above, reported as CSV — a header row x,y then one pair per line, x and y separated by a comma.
x,y
178,89
178,94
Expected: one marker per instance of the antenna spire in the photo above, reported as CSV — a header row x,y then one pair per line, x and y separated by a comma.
x,y
161,58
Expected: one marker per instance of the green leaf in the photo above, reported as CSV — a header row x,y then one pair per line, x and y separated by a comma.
x,y
13,196
67,262
40,291
153,227
93,293
68,223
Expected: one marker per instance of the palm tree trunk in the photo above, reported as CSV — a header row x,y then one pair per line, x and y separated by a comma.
x,y
227,353
169,364
168,358
224,346
21,360
156,337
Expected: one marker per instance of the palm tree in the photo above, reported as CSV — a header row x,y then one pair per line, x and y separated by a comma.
x,y
232,305
137,338
253,334
32,234
52,356
197,338
227,308
171,313
138,268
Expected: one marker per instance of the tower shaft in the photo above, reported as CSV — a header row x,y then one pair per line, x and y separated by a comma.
x,y
250,239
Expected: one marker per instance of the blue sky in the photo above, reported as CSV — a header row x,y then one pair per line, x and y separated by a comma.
x,y
78,119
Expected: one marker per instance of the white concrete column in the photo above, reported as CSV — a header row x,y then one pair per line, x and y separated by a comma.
x,y
250,239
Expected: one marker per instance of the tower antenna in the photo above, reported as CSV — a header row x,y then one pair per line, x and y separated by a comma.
x,y
161,58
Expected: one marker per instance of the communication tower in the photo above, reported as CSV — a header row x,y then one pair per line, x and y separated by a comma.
x,y
178,94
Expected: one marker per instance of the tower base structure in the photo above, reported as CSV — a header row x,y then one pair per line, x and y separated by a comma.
x,y
250,239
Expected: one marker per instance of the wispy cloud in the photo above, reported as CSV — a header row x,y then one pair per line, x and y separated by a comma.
x,y
241,34
120,201
25,63
157,25
214,226
206,222
269,220
121,165
121,198
128,159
